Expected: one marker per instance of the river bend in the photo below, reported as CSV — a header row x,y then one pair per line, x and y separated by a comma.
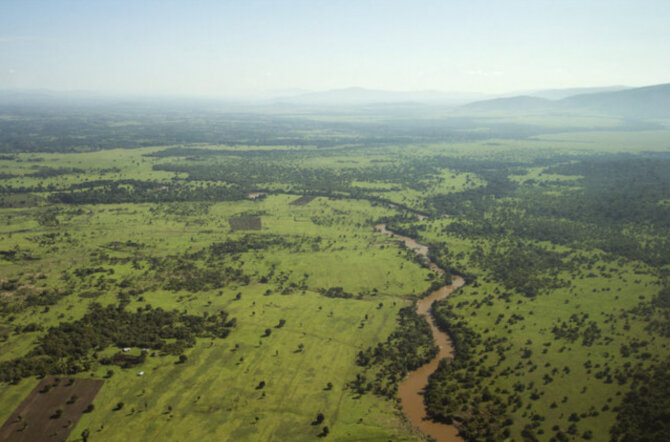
x,y
410,390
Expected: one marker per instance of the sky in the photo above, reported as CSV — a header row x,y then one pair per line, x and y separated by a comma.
x,y
249,47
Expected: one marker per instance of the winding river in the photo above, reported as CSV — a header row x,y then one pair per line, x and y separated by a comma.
x,y
411,388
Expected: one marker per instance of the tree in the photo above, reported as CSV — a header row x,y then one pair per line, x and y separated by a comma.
x,y
182,359
118,406
319,419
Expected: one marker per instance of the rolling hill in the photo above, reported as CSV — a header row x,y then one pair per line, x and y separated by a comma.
x,y
640,103
643,102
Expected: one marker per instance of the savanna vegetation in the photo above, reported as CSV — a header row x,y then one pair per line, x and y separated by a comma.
x,y
220,271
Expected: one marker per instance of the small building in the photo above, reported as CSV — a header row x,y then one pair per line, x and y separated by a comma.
x,y
141,373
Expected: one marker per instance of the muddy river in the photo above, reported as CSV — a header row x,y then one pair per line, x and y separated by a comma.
x,y
410,390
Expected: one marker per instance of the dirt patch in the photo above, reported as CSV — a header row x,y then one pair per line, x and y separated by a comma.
x,y
37,419
21,200
302,201
245,223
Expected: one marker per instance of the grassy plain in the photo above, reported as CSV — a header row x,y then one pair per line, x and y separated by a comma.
x,y
216,393
602,289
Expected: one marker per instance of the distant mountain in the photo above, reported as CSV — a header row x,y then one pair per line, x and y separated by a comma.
x,y
356,96
521,103
40,96
642,102
649,102
559,94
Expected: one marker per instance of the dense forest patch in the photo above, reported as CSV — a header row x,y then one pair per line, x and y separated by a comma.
x,y
406,349
644,414
66,348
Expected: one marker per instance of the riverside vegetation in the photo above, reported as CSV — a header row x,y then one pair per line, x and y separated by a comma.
x,y
129,245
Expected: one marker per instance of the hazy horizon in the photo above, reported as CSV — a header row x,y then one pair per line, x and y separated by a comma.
x,y
261,48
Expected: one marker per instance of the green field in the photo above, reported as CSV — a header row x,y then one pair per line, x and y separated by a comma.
x,y
562,238
213,395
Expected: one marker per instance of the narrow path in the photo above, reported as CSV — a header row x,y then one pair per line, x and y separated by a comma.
x,y
410,390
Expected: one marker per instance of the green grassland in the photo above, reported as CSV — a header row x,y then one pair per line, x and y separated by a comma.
x,y
556,232
213,395
561,376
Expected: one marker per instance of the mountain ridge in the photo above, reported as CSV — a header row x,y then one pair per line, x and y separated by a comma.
x,y
641,102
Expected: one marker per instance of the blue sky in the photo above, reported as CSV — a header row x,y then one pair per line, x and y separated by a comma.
x,y
231,48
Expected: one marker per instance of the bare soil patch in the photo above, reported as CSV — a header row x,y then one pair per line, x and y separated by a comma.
x,y
302,201
21,200
37,418
245,223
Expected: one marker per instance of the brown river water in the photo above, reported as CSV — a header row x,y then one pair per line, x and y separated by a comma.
x,y
410,390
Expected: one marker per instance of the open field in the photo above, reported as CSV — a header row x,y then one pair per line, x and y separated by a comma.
x,y
558,375
561,237
317,344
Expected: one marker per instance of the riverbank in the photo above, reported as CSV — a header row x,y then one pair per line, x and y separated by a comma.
x,y
410,390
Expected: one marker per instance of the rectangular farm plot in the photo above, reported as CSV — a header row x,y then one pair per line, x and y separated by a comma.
x,y
302,201
51,410
245,223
